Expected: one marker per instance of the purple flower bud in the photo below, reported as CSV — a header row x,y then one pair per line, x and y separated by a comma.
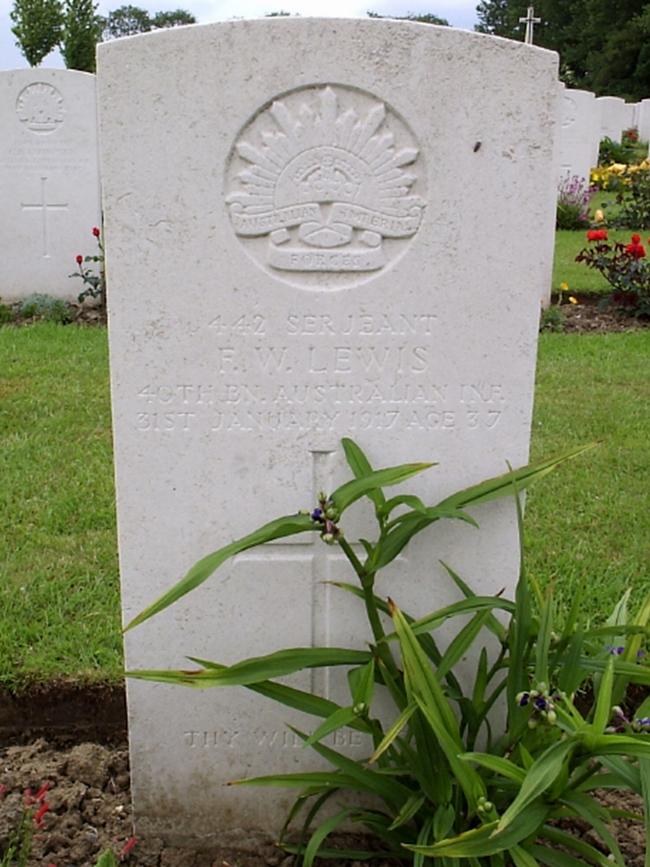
x,y
541,703
317,515
523,698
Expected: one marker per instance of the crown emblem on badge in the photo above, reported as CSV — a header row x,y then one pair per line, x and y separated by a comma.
x,y
326,184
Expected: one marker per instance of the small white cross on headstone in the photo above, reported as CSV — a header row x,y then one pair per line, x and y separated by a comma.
x,y
530,21
43,206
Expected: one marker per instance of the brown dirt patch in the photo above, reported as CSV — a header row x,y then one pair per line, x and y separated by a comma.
x,y
587,317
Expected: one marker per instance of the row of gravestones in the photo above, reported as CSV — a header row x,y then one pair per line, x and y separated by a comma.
x,y
584,120
50,173
314,229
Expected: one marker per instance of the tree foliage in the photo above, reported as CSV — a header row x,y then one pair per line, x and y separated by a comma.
x,y
80,35
424,18
37,27
128,20
603,45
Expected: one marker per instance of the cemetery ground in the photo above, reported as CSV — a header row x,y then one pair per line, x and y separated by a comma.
x,y
587,530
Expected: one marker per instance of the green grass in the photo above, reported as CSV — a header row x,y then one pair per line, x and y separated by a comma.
x,y
588,525
58,564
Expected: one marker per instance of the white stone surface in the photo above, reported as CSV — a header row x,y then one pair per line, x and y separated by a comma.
x,y
273,290
578,131
615,116
49,178
644,120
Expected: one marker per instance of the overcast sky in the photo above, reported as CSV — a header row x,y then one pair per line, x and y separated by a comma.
x,y
459,13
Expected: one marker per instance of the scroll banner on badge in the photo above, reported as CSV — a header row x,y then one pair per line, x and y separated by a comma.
x,y
346,258
356,216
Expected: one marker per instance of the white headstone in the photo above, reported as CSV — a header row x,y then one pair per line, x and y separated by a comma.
x,y
644,120
615,116
315,228
49,178
578,130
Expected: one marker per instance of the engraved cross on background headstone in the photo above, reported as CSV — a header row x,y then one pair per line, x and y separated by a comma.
x,y
317,556
530,21
44,206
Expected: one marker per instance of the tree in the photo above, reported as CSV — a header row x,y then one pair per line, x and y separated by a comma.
x,y
81,33
125,21
37,27
175,18
425,18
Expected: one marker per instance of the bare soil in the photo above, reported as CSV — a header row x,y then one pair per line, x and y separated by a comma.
x,y
84,761
587,317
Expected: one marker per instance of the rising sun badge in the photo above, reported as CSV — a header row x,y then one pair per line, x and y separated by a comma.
x,y
326,178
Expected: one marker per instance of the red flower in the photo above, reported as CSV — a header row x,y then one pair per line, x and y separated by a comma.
x,y
96,232
636,239
636,250
130,843
38,815
597,235
28,797
42,792
79,259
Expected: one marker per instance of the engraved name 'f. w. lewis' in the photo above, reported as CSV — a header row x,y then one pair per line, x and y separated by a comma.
x,y
324,179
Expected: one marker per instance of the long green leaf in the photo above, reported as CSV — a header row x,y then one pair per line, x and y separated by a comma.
x,y
603,708
644,769
350,492
496,764
289,696
322,779
408,811
587,808
570,842
393,731
493,624
259,668
390,790
555,857
523,857
487,840
620,745
539,778
360,466
462,642
289,525
500,486
321,833
337,720
456,609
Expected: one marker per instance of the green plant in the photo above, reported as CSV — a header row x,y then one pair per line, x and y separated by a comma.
x,y
574,195
452,785
611,151
95,283
6,314
635,201
19,846
42,306
625,268
552,318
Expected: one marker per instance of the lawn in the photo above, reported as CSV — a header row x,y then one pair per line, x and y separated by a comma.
x,y
588,526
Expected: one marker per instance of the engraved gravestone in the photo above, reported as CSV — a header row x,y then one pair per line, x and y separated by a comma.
x,y
315,229
49,178
577,133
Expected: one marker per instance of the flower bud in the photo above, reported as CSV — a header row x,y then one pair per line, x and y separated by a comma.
x,y
96,231
551,717
328,538
79,259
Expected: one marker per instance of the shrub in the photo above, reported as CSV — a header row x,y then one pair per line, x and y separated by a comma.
x,y
624,266
635,202
611,151
94,283
574,196
451,780
42,306
6,314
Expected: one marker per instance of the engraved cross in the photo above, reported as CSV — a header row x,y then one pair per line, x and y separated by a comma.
x,y
317,556
44,206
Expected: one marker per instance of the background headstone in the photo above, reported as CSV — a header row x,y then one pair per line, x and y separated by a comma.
x,y
314,229
615,116
49,179
644,120
577,133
